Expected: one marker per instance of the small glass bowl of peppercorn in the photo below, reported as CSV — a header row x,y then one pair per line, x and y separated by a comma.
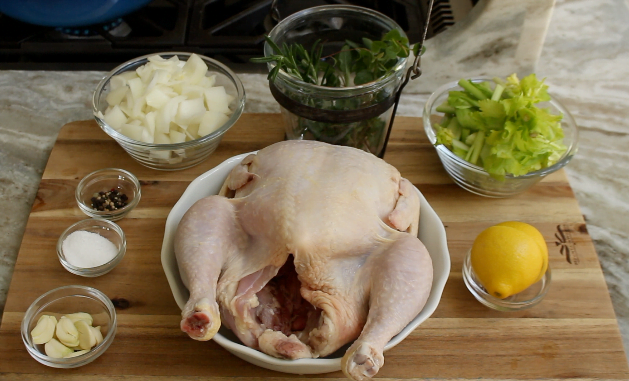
x,y
108,193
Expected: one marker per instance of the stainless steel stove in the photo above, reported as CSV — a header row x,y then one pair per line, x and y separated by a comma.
x,y
231,31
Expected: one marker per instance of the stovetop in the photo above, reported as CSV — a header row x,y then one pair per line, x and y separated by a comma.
x,y
231,31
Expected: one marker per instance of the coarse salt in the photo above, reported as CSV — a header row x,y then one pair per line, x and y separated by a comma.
x,y
86,249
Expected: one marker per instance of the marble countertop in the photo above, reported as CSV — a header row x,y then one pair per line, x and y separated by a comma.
x,y
585,57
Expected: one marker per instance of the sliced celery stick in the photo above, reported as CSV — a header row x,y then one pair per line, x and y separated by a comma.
x,y
460,145
455,127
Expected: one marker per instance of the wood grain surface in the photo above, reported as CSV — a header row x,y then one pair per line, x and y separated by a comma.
x,y
571,334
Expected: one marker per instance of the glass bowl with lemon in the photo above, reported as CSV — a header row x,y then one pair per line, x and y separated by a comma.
x,y
507,267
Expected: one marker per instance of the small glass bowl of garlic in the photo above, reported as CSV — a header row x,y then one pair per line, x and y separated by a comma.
x,y
69,326
169,110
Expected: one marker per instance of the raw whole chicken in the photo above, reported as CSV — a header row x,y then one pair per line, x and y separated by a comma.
x,y
308,247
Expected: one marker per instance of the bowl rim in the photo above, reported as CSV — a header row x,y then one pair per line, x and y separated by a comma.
x,y
567,121
98,270
306,365
108,214
237,112
83,359
501,304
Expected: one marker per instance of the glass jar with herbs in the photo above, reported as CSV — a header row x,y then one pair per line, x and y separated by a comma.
x,y
335,71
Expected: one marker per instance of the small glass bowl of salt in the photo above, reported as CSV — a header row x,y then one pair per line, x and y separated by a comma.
x,y
91,247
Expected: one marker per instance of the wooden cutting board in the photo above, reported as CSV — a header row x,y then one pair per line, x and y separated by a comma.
x,y
573,333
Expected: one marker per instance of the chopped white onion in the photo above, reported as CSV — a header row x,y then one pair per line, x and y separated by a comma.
x,y
156,98
167,101
194,70
115,117
159,154
116,96
211,121
133,131
177,137
161,138
216,100
190,111
136,86
149,122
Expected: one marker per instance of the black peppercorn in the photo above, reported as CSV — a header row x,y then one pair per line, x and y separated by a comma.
x,y
109,200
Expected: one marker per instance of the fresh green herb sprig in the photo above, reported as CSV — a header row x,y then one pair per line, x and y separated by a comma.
x,y
367,61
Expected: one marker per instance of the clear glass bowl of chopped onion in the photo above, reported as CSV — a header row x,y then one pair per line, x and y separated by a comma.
x,y
169,110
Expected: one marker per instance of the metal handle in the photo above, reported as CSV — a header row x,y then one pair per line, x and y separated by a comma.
x,y
275,12
413,72
416,69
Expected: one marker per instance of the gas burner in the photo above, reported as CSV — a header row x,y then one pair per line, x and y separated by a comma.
x,y
90,31
281,9
231,31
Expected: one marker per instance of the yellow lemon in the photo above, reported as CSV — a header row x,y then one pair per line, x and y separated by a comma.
x,y
506,260
536,235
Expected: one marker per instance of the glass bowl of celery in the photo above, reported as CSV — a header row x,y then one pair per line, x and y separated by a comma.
x,y
499,137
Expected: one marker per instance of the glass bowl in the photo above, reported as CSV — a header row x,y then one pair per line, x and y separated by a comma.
x,y
104,180
178,155
66,300
104,228
474,178
522,300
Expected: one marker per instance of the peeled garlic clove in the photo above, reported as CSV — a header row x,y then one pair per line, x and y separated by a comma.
x,y
80,316
87,338
55,349
77,353
97,334
67,333
44,330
